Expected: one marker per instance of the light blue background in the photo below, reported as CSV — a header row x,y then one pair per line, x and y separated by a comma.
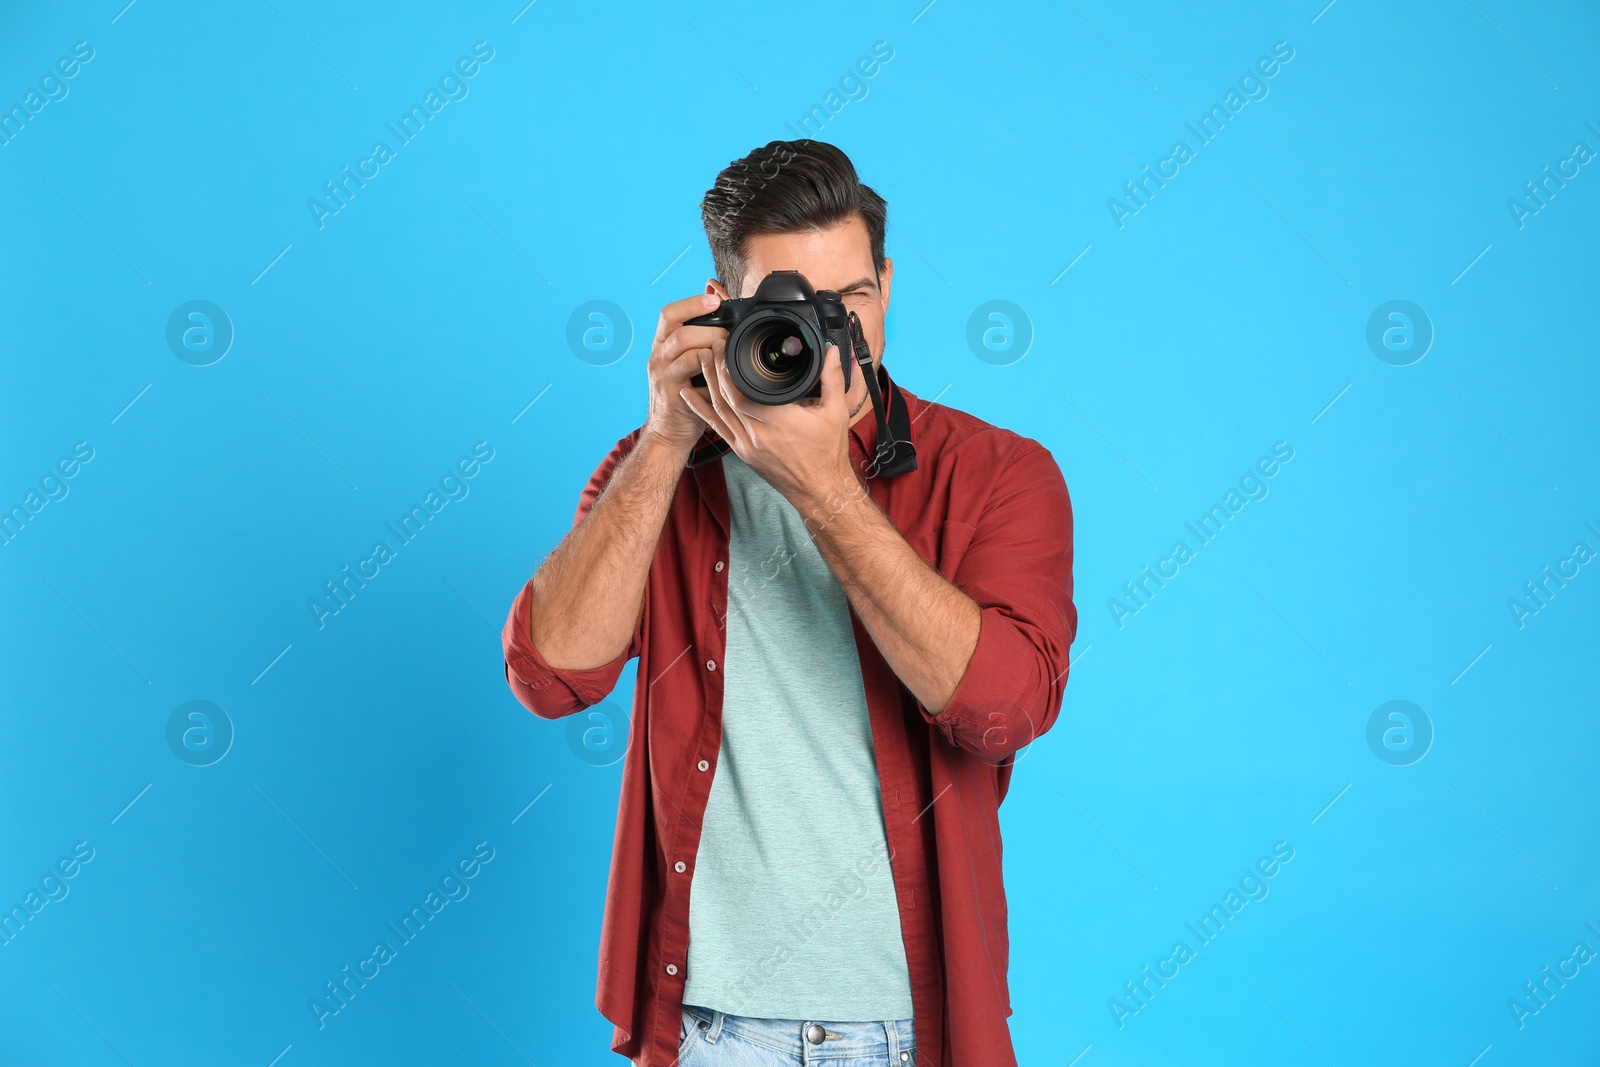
x,y
426,316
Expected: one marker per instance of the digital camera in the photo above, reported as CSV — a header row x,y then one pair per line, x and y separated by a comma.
x,y
778,337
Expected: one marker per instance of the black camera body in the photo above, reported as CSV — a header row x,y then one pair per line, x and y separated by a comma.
x,y
778,337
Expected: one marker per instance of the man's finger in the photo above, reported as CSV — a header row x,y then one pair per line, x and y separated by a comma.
x,y
690,338
701,406
734,405
681,368
725,397
674,314
832,378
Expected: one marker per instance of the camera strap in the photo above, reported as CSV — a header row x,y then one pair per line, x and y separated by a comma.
x,y
895,453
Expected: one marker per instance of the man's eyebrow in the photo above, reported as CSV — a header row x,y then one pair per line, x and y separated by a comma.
x,y
860,283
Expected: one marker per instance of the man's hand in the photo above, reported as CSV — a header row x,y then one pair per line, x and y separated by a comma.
x,y
802,449
676,355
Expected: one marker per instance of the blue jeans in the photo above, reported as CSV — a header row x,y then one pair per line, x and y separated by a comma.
x,y
710,1038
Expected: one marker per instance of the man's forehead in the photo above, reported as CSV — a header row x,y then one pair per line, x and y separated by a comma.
x,y
830,259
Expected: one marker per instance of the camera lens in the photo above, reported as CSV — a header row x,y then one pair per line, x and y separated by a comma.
x,y
781,354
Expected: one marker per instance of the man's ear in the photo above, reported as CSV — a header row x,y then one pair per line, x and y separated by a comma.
x,y
715,288
885,280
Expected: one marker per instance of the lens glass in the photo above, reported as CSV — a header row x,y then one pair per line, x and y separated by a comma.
x,y
781,354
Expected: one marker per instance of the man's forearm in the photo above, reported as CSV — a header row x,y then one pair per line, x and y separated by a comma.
x,y
587,593
925,627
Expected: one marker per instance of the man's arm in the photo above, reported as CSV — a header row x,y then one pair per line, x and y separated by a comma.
x,y
581,616
925,627
586,597
986,653
986,656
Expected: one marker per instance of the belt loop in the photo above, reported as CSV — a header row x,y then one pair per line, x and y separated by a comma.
x,y
892,1028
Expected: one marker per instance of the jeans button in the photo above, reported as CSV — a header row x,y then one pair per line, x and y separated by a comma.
x,y
815,1033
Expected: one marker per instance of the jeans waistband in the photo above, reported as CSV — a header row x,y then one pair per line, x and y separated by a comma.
x,y
885,1039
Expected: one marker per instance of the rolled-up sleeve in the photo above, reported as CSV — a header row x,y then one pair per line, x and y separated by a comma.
x,y
551,692
1018,568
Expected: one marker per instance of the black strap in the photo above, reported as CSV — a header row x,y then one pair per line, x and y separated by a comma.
x,y
707,452
894,452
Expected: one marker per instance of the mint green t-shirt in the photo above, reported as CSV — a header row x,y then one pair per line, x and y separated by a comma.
x,y
792,911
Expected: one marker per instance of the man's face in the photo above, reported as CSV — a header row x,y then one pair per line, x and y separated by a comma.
x,y
839,259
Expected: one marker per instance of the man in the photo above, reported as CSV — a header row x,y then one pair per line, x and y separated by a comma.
x,y
848,619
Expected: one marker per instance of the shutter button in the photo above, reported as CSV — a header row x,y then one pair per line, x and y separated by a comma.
x,y
815,1033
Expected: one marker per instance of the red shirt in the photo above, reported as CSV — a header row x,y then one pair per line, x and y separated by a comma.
x,y
989,510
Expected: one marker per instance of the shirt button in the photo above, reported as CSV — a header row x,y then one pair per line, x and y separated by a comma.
x,y
672,968
679,867
719,565
702,765
711,664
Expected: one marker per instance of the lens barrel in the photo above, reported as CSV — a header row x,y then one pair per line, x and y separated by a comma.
x,y
774,356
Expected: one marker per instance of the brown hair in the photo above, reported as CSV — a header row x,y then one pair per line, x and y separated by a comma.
x,y
783,187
